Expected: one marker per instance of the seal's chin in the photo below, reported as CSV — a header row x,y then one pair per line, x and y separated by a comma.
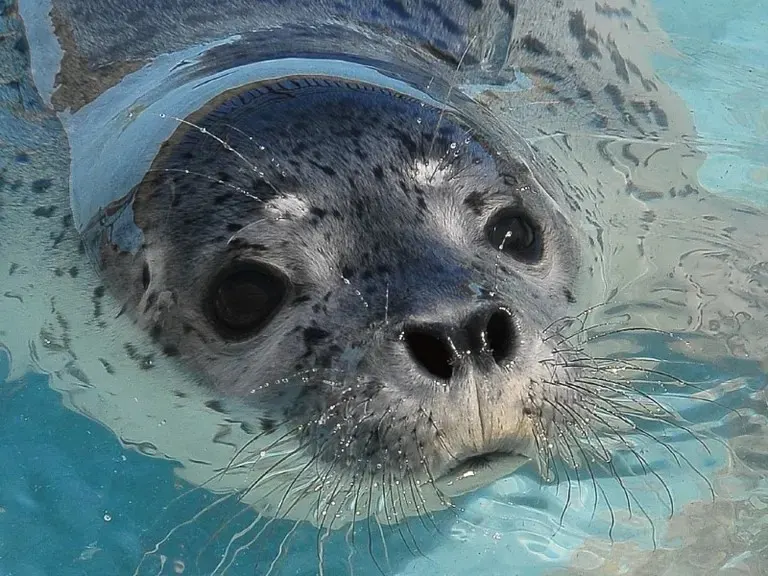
x,y
478,471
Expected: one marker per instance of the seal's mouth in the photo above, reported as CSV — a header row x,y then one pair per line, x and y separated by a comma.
x,y
480,470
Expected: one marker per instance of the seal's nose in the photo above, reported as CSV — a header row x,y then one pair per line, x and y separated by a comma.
x,y
486,334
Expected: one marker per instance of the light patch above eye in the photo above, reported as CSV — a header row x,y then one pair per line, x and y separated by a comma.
x,y
287,206
431,172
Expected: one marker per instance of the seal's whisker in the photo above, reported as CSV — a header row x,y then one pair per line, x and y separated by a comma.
x,y
401,493
256,438
393,520
261,148
204,131
568,489
617,364
418,497
545,458
669,417
622,389
438,433
209,178
453,83
240,495
586,328
432,483
640,459
585,459
581,317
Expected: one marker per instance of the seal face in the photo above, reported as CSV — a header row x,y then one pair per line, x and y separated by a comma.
x,y
376,273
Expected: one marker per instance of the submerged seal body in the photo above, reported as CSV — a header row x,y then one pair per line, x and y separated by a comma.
x,y
316,278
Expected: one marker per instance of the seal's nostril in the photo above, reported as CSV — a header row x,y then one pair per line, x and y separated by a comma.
x,y
500,335
432,353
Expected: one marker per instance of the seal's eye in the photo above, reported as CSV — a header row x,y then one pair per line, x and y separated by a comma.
x,y
516,234
243,298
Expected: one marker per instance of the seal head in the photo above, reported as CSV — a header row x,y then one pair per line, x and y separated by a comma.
x,y
375,275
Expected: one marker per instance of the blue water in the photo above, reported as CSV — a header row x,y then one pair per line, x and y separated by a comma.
x,y
74,501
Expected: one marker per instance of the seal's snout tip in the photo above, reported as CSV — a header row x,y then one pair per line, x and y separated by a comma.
x,y
437,348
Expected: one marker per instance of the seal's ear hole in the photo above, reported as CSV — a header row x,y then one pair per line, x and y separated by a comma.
x,y
243,298
145,276
516,234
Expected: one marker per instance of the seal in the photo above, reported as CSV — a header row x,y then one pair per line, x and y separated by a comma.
x,y
414,279
356,290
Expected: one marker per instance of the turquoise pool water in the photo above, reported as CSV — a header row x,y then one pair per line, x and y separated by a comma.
x,y
74,501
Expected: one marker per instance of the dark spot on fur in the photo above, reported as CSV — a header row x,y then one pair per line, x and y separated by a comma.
x,y
74,272
614,94
21,46
578,30
313,335
221,198
378,172
619,65
22,157
534,45
41,185
156,332
145,361
569,296
508,8
474,201
327,169
347,272
44,211
318,212
13,269
145,278
58,272
398,8
234,227
216,406
107,366
299,300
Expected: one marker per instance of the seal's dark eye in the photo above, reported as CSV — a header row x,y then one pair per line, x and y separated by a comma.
x,y
516,234
243,298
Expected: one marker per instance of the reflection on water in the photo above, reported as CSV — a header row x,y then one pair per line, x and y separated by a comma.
x,y
110,484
